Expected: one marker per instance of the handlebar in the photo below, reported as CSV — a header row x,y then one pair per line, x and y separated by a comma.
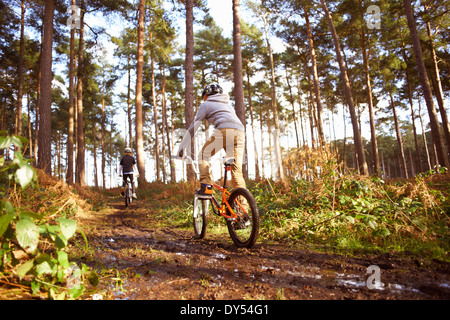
x,y
188,160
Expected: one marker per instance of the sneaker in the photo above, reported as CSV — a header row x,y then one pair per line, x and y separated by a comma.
x,y
205,191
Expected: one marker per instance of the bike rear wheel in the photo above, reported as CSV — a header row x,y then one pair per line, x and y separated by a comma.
x,y
127,196
245,229
200,217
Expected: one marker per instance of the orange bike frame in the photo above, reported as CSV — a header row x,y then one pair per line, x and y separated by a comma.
x,y
222,208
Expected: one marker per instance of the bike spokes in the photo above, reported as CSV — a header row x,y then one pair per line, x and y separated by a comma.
x,y
244,227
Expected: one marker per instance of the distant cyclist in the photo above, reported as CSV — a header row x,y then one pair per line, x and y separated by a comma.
x,y
127,168
229,134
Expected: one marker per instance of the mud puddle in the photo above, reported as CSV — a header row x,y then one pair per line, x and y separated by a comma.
x,y
147,263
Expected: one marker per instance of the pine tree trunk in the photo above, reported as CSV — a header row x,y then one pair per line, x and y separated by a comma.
x,y
103,134
139,74
316,83
349,97
130,122
436,80
70,129
413,117
94,143
166,125
291,100
276,134
373,136
80,164
18,128
189,71
434,123
45,103
424,138
399,139
155,117
250,104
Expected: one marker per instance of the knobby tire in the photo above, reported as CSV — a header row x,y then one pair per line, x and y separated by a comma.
x,y
244,237
201,221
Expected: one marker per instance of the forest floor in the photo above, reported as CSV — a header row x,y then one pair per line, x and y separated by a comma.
x,y
138,258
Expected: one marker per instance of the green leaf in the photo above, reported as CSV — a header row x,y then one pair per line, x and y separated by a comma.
x,y
68,227
60,241
76,291
52,231
27,235
372,224
350,219
4,223
23,269
63,259
24,175
10,208
45,267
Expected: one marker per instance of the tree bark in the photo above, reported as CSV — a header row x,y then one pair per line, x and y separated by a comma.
x,y
189,71
279,164
436,80
237,63
316,83
399,139
18,128
70,129
140,155
434,123
80,165
103,133
130,122
373,136
362,165
166,125
45,110
155,112
250,104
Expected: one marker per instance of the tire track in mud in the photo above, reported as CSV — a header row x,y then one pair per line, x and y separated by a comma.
x,y
168,263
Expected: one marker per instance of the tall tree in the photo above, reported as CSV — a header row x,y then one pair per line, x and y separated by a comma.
x,y
315,75
70,133
237,63
436,80
18,129
139,74
365,54
425,83
81,152
189,76
45,110
276,134
362,165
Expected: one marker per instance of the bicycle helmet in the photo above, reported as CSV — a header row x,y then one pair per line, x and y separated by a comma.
x,y
211,89
128,150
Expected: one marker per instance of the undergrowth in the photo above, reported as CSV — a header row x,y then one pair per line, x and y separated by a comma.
x,y
351,213
37,224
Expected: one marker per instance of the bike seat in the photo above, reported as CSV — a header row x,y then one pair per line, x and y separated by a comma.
x,y
229,161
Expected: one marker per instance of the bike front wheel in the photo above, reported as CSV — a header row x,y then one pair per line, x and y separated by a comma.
x,y
200,217
244,230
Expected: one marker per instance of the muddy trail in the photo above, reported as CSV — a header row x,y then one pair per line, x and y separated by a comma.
x,y
150,262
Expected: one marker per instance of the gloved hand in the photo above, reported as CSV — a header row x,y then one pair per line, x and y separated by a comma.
x,y
180,153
